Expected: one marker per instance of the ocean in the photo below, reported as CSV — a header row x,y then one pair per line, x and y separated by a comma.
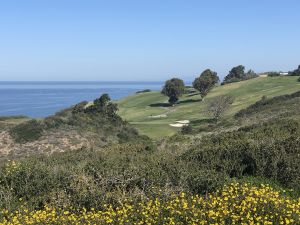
x,y
41,99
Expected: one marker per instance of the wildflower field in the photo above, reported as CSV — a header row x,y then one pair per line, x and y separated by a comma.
x,y
237,203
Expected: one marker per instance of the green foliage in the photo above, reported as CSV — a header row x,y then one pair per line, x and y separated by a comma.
x,y
27,131
105,107
205,82
188,129
238,74
201,181
139,169
99,119
173,88
269,150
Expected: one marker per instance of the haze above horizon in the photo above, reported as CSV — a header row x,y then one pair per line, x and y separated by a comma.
x,y
144,40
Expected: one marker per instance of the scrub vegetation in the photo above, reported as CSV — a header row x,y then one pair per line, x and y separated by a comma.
x,y
237,166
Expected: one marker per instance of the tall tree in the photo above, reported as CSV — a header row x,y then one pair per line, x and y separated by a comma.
x,y
205,82
173,88
237,72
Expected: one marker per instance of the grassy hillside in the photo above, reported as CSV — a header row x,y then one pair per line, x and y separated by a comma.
x,y
149,114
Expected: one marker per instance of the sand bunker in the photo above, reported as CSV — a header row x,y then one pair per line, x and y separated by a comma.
x,y
180,123
183,121
177,124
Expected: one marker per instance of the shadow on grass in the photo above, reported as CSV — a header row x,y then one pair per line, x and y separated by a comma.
x,y
178,103
189,101
193,94
160,105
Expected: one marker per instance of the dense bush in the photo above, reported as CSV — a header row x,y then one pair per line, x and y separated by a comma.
x,y
89,178
270,150
98,119
187,129
27,131
236,203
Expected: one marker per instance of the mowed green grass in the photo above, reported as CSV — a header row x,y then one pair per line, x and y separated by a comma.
x,y
138,109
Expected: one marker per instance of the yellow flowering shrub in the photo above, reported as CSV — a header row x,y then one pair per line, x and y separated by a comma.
x,y
233,204
11,166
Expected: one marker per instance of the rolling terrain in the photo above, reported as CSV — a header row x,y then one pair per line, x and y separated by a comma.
x,y
151,115
87,164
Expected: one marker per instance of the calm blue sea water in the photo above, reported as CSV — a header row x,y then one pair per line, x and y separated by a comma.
x,y
40,99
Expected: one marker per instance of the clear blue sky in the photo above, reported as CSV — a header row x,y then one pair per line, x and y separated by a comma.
x,y
145,40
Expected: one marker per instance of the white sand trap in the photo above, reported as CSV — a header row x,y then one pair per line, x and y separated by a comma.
x,y
183,121
158,116
177,124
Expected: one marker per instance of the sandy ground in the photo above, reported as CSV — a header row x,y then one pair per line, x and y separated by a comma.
x,y
48,144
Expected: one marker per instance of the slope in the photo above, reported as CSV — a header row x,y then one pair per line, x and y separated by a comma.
x,y
149,112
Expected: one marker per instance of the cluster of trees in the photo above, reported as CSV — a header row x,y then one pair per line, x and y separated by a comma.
x,y
238,74
104,106
175,87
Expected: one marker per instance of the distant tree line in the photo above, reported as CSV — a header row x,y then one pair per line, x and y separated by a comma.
x,y
295,72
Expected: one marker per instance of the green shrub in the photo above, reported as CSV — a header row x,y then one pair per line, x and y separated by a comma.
x,y
188,129
201,181
269,150
27,131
